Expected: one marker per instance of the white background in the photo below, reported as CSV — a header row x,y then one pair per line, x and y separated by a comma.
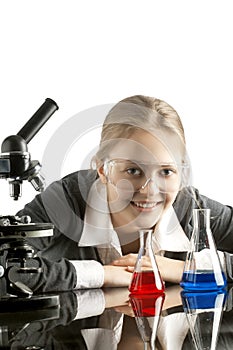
x,y
87,53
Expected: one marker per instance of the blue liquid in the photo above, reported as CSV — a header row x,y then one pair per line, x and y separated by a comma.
x,y
199,300
202,281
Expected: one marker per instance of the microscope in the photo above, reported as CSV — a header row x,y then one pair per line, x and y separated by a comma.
x,y
16,166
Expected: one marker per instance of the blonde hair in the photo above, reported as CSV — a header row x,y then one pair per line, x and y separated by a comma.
x,y
137,113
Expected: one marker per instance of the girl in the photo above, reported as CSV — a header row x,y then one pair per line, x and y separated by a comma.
x,y
140,178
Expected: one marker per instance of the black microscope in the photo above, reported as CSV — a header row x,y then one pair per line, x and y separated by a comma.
x,y
16,166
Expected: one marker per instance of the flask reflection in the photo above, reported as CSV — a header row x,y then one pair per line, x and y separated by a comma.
x,y
147,310
204,314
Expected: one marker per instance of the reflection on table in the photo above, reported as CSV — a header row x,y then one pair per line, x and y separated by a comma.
x,y
109,319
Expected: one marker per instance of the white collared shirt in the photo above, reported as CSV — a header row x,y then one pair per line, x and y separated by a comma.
x,y
98,231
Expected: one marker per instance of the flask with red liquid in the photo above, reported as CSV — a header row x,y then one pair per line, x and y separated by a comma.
x,y
146,278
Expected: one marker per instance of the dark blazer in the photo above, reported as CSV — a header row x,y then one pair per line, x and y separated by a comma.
x,y
63,204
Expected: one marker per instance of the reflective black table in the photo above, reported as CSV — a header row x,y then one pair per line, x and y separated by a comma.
x,y
110,319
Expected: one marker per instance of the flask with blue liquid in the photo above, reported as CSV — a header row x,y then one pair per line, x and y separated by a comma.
x,y
203,270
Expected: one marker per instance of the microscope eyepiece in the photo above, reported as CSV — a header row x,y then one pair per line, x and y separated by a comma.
x,y
15,160
38,119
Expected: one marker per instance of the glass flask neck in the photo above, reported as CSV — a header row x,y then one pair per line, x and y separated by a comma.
x,y
201,219
145,237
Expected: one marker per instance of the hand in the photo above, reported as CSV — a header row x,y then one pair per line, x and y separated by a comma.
x,y
116,297
170,270
116,276
173,297
129,261
125,309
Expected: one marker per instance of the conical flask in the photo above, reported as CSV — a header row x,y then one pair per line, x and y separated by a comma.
x,y
147,310
146,278
202,270
204,312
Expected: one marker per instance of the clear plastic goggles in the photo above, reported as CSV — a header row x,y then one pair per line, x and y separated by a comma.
x,y
131,176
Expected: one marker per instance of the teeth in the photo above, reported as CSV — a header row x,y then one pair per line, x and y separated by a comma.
x,y
145,205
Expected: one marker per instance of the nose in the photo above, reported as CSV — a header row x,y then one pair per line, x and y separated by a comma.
x,y
150,186
146,183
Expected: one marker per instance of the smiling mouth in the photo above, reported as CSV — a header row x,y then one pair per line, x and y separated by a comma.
x,y
146,206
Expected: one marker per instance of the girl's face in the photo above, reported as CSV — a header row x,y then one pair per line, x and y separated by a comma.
x,y
143,177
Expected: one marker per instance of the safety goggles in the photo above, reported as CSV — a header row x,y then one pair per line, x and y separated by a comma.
x,y
132,176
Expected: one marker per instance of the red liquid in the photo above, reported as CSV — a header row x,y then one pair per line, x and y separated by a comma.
x,y
144,283
147,305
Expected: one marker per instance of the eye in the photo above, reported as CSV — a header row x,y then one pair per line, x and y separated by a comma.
x,y
134,171
166,172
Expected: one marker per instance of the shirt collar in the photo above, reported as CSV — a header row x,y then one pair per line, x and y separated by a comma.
x,y
98,230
